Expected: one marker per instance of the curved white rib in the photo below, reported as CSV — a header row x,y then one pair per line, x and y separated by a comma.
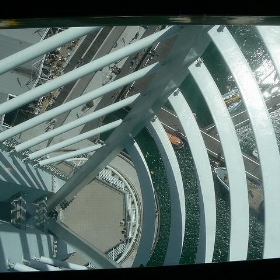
x,y
206,185
264,135
148,229
177,196
239,206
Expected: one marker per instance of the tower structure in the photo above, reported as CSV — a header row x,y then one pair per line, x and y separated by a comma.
x,y
68,142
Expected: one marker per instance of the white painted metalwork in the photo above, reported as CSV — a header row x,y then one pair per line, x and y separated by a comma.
x,y
86,69
263,131
133,226
40,265
149,205
80,121
203,168
44,47
186,44
177,196
69,155
22,267
75,139
130,126
59,263
239,206
46,116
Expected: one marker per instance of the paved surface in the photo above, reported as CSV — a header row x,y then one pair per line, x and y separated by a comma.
x,y
95,215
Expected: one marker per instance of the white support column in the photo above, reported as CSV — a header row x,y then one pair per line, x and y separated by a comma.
x,y
86,69
75,139
69,155
80,121
44,47
78,101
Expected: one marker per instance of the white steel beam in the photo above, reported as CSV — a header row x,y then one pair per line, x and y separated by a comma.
x,y
86,69
6,134
75,139
44,47
176,190
264,135
60,263
133,122
80,121
41,266
69,155
23,268
239,205
207,199
148,226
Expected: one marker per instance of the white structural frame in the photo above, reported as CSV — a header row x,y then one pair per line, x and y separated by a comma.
x,y
166,78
